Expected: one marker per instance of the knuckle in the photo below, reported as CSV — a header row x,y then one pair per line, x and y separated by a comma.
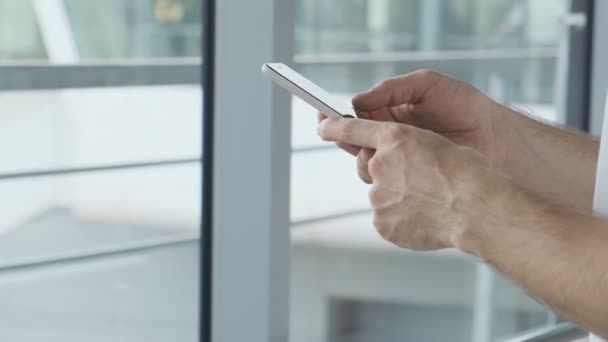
x,y
389,84
375,196
420,237
394,133
347,129
377,164
381,225
385,84
378,223
385,228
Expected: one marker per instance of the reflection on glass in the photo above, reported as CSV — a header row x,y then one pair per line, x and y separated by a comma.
x,y
347,284
136,29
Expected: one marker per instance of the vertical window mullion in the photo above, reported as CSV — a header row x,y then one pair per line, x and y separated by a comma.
x,y
599,69
251,158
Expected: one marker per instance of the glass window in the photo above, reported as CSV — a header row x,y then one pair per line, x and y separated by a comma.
x,y
100,172
347,284
67,128
136,29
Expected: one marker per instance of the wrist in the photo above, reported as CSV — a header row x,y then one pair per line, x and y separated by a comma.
x,y
505,128
502,211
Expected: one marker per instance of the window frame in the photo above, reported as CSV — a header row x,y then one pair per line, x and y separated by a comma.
x,y
44,75
207,76
247,215
599,71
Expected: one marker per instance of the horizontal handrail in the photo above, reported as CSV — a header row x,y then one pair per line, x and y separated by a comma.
x,y
334,216
21,174
94,168
90,63
314,148
40,74
422,56
126,248
129,248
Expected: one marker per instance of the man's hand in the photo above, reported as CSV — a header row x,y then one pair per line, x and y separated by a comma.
x,y
432,101
535,155
426,190
434,189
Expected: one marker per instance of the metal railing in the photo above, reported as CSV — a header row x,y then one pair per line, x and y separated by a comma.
x,y
41,75
426,56
114,250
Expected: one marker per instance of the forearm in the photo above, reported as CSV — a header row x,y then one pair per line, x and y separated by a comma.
x,y
558,256
554,163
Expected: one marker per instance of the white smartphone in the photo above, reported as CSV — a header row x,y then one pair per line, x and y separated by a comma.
x,y
303,88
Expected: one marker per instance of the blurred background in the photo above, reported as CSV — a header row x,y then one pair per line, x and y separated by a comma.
x,y
100,175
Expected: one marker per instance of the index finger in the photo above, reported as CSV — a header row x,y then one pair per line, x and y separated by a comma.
x,y
409,88
359,132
